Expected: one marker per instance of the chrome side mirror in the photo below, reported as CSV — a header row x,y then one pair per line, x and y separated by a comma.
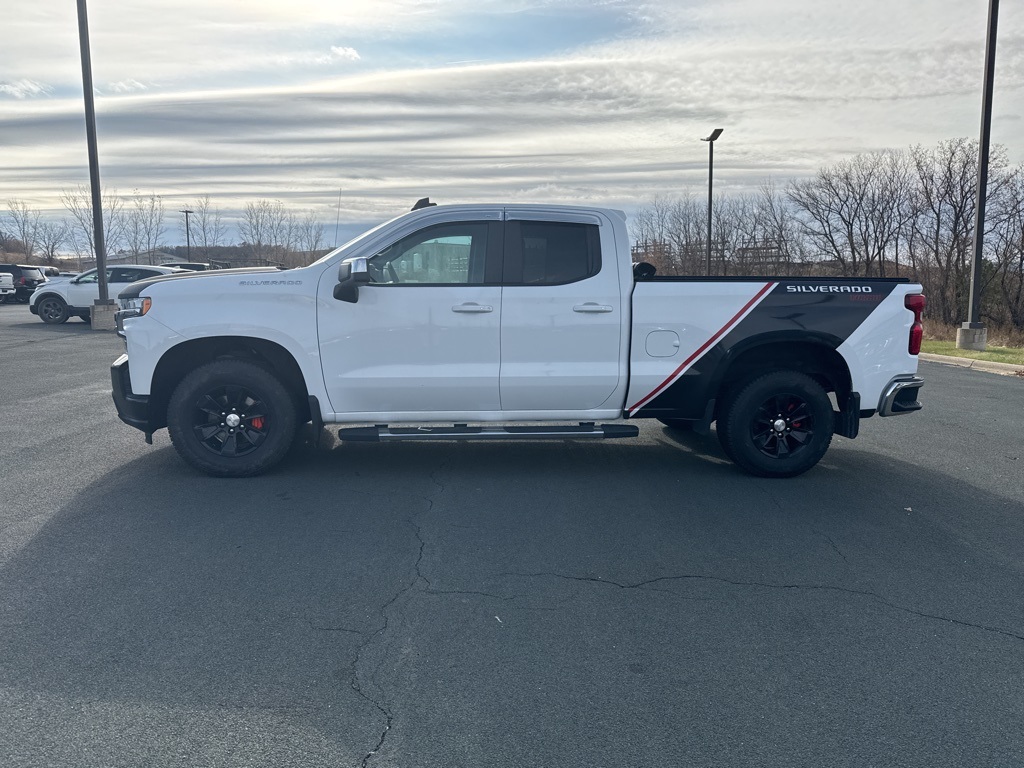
x,y
351,274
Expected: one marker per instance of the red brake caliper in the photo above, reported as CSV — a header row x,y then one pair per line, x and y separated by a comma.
x,y
257,422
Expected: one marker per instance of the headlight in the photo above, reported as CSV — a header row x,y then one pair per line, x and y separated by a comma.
x,y
135,307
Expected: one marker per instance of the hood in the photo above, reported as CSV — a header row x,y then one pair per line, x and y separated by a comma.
x,y
134,290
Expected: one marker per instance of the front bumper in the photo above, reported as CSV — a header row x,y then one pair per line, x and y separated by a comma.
x,y
132,409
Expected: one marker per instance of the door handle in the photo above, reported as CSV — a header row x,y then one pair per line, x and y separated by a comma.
x,y
592,308
472,308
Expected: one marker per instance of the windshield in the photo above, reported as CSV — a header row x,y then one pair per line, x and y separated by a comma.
x,y
353,241
31,273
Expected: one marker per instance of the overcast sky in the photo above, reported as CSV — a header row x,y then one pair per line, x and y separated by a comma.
x,y
471,101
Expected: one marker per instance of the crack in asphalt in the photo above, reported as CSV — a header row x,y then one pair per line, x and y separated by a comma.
x,y
420,576
831,543
643,585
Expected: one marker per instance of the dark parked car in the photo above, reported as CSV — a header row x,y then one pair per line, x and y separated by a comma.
x,y
26,278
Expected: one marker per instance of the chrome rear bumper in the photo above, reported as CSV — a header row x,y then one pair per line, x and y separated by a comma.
x,y
900,396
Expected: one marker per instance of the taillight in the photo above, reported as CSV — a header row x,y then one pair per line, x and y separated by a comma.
x,y
916,303
21,280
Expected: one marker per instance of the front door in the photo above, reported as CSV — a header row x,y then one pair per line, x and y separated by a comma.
x,y
84,290
424,336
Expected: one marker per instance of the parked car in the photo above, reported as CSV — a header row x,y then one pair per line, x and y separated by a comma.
x,y
6,286
61,299
26,279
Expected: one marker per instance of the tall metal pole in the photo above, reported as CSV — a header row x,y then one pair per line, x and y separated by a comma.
x,y
711,181
711,175
94,162
188,236
975,336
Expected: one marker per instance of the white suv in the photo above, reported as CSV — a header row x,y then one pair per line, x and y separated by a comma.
x,y
57,300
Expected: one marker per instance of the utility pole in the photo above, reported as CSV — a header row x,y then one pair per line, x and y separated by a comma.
x,y
102,311
711,175
188,235
973,334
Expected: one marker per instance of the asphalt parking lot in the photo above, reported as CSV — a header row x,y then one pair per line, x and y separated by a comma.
x,y
552,604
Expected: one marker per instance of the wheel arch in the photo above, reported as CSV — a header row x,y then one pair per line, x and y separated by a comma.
x,y
47,295
814,354
181,359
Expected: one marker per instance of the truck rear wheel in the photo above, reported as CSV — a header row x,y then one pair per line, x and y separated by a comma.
x,y
231,418
778,425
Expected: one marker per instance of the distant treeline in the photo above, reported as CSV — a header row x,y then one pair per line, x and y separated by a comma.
x,y
906,213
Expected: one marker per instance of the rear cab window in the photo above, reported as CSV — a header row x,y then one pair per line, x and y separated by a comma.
x,y
550,252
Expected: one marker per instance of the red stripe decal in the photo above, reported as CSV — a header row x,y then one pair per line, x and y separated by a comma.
x,y
704,347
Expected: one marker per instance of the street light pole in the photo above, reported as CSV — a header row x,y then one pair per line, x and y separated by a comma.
x,y
188,235
711,175
972,334
101,319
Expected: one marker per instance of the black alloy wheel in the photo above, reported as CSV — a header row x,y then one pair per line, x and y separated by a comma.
x,y
777,425
232,418
783,426
230,421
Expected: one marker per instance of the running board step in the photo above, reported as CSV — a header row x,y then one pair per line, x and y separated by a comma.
x,y
382,432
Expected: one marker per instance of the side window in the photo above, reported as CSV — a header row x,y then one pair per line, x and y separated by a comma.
x,y
551,253
89,277
126,275
445,254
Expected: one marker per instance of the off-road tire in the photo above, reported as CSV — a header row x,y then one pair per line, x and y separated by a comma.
x,y
778,425
231,418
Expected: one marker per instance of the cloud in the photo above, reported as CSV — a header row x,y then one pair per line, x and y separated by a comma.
x,y
24,89
126,86
339,52
563,101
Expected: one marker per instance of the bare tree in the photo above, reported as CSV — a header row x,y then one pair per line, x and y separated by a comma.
x,y
24,224
52,236
144,226
1009,253
853,212
283,231
942,228
257,227
78,203
309,235
207,226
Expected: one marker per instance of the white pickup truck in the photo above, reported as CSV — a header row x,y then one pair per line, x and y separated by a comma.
x,y
509,322
7,289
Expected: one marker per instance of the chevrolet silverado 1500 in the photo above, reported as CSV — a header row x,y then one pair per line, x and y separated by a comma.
x,y
510,322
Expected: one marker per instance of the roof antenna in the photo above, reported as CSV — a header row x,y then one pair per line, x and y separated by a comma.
x,y
423,202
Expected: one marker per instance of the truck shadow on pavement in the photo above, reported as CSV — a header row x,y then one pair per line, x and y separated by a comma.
x,y
289,619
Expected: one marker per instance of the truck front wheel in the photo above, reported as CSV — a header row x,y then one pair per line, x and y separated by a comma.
x,y
778,425
231,418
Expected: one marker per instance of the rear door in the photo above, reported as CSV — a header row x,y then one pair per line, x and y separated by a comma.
x,y
561,313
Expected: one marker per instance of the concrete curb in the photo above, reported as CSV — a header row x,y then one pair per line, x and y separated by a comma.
x,y
1006,369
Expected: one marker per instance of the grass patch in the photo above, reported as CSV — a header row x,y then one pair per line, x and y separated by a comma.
x,y
1014,356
